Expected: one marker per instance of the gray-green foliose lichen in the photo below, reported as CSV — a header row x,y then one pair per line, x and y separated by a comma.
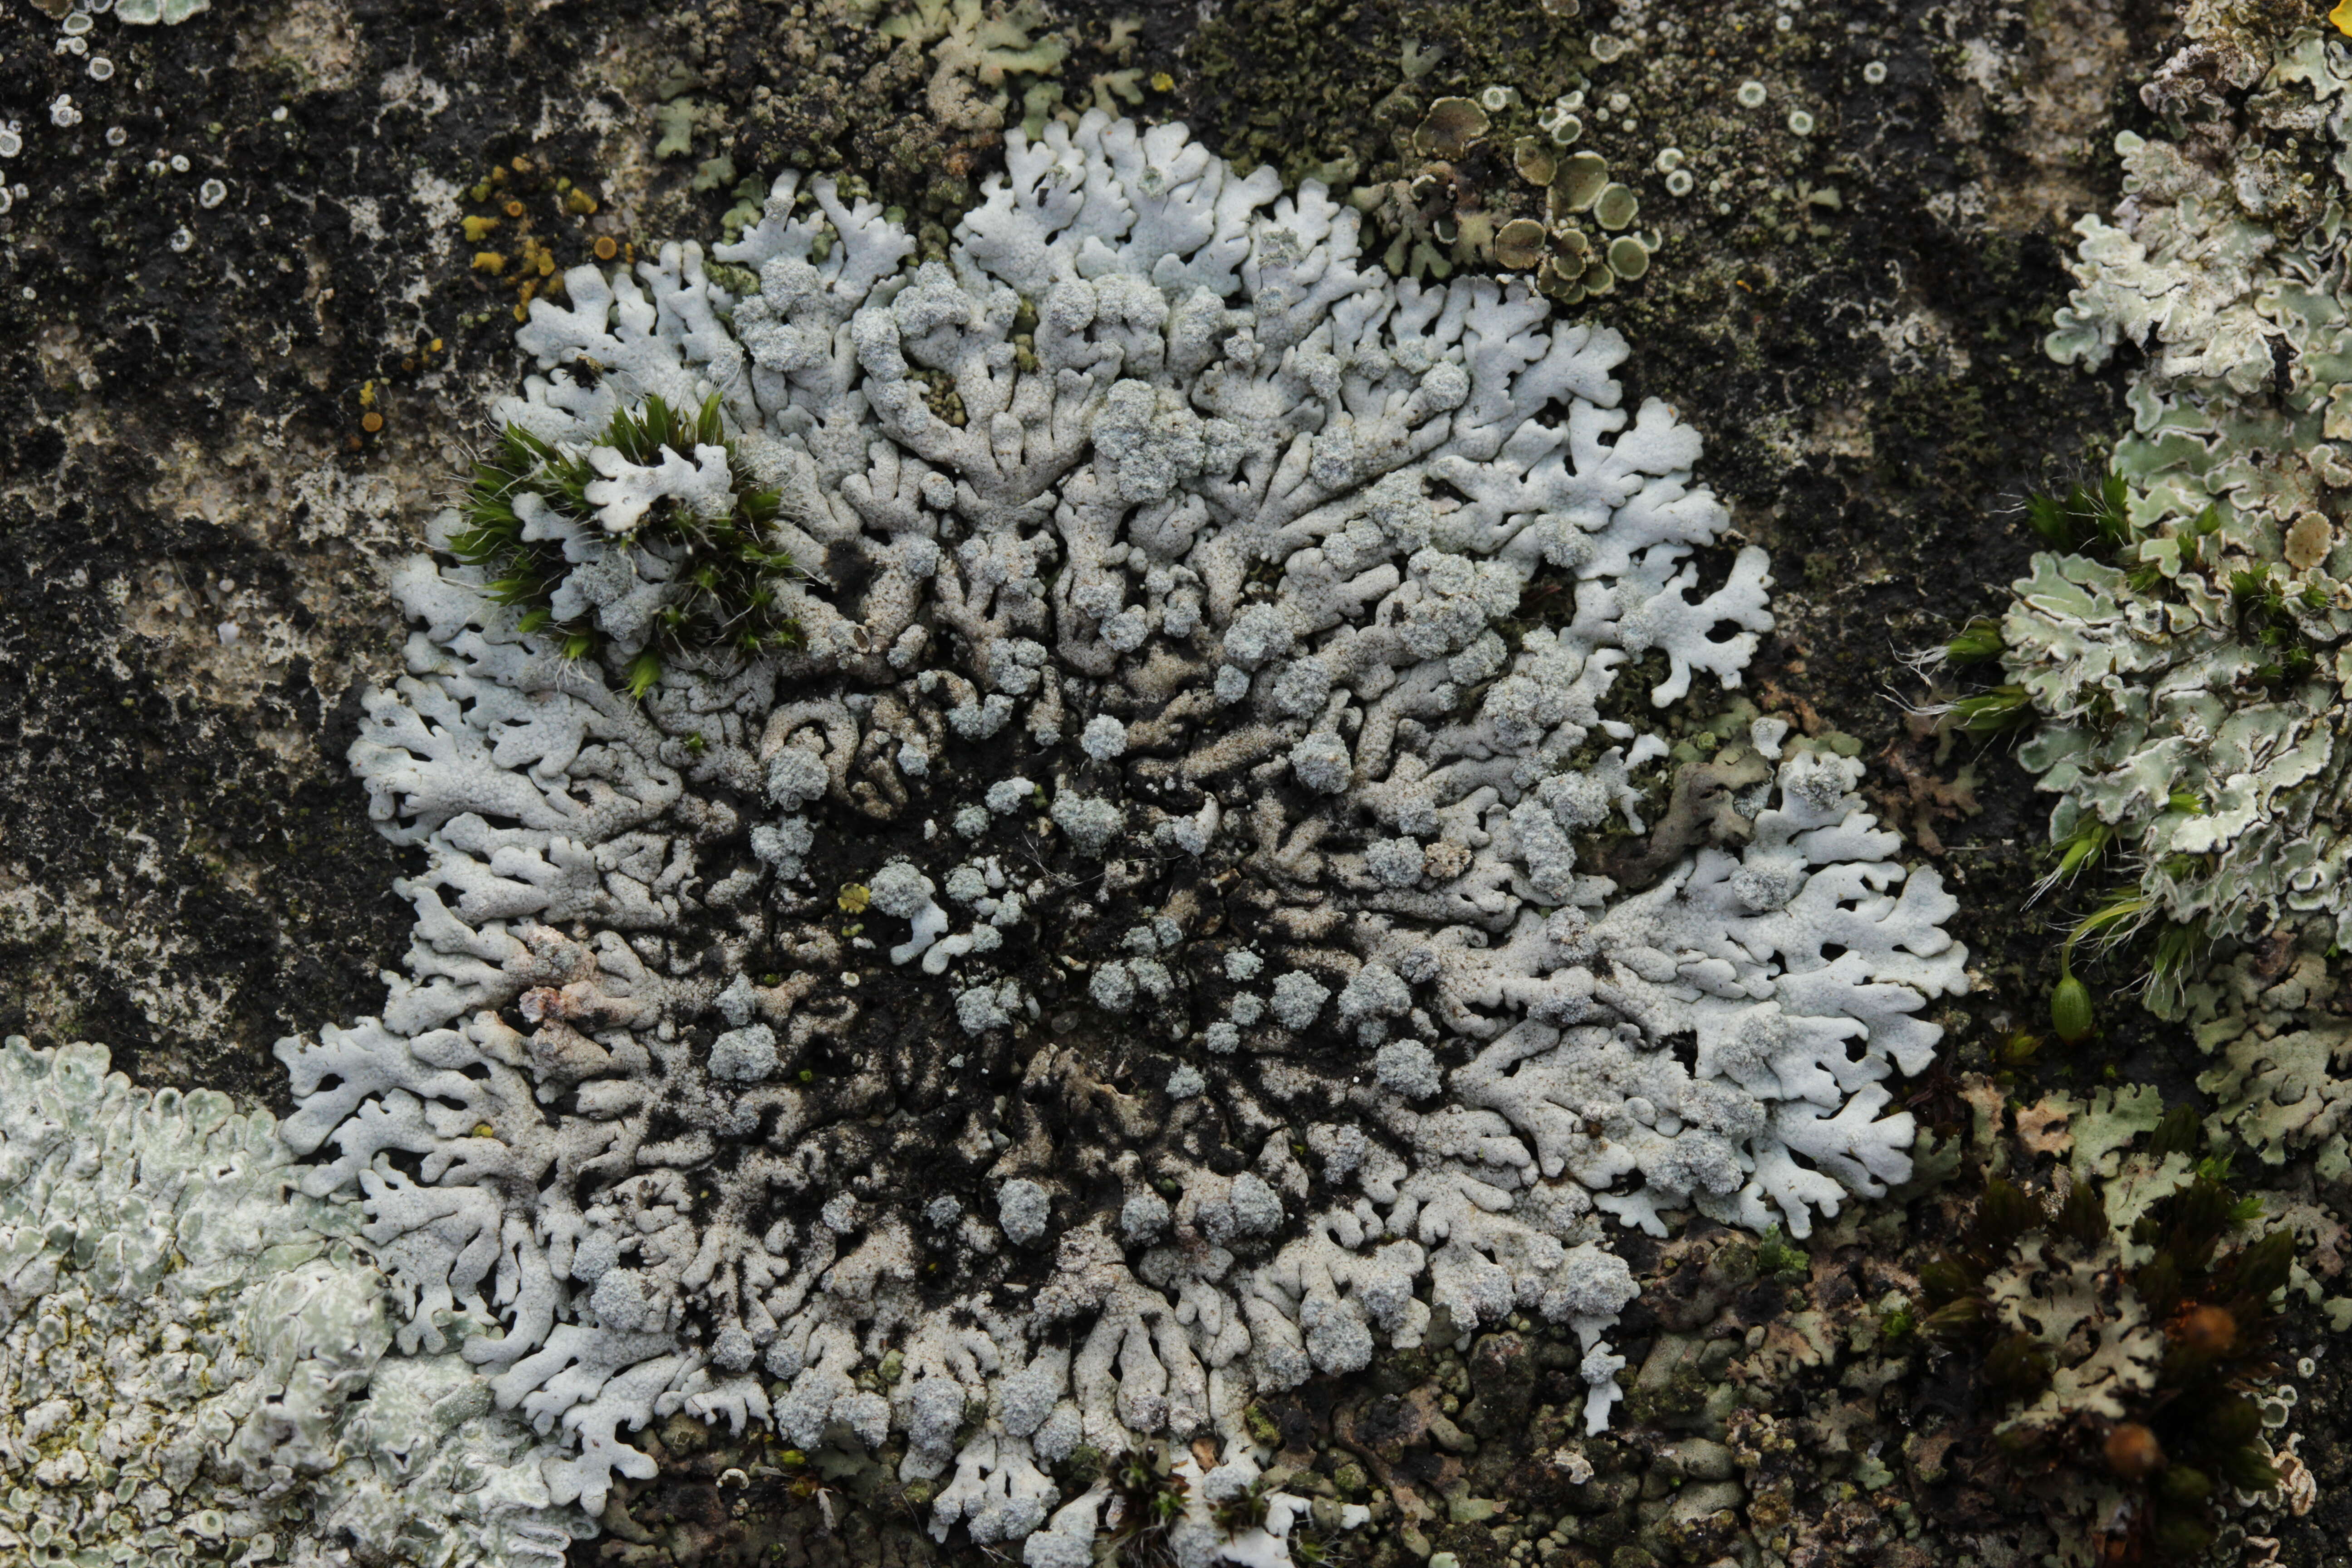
x,y
194,1359
2190,661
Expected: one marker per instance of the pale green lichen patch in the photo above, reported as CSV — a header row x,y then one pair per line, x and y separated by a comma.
x,y
148,12
2189,649
193,1357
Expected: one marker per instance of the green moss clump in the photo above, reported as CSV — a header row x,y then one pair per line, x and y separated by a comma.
x,y
720,576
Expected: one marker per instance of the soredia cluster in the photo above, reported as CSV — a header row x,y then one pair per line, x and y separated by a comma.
x,y
1135,950
192,1361
2193,663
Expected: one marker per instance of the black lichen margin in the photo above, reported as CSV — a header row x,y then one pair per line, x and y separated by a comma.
x,y
728,572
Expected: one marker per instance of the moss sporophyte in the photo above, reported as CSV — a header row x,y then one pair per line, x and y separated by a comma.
x,y
721,572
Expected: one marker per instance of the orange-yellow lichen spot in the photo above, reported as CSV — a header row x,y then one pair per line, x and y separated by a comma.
x,y
1161,81
2342,18
479,229
367,395
2208,1330
579,201
490,261
2132,1451
433,347
514,208
606,247
371,422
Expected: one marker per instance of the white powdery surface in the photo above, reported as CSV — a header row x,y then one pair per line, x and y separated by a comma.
x,y
193,1357
1225,999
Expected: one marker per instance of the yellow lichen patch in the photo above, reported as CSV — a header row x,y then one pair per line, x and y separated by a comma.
x,y
545,218
855,898
2342,18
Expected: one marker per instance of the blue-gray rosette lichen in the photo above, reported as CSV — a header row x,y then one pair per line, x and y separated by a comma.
x,y
1140,944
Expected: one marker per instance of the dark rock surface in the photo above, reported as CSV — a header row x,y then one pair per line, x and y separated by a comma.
x,y
228,407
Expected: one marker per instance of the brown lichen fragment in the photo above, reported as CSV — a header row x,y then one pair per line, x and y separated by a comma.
x,y
1703,810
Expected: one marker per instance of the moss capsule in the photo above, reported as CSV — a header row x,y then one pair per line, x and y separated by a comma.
x,y
2070,1010
2133,1452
